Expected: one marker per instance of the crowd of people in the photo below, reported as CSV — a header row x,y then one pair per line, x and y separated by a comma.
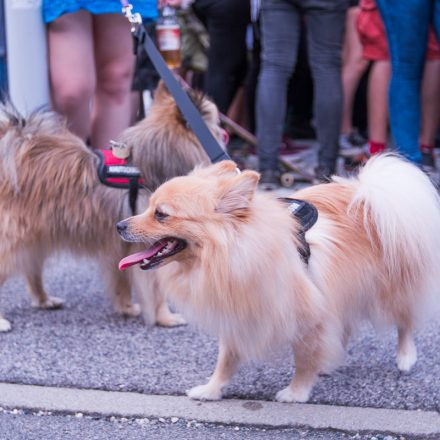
x,y
257,60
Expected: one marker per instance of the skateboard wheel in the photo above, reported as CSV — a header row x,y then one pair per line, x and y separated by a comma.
x,y
287,180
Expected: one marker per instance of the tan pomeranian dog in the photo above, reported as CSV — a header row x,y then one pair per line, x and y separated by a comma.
x,y
51,198
236,269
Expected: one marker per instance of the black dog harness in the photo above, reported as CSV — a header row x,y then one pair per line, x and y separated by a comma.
x,y
117,173
306,214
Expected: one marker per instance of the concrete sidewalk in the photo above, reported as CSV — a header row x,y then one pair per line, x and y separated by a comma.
x,y
237,412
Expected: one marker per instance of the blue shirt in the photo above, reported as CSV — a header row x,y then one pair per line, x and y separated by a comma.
x,y
52,9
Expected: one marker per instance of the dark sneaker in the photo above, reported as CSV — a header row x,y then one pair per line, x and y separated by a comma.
x,y
427,165
353,163
352,144
288,147
269,180
323,174
428,159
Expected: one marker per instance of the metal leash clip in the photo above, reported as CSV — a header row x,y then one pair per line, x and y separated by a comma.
x,y
135,19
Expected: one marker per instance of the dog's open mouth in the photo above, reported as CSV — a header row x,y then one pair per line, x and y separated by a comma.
x,y
153,256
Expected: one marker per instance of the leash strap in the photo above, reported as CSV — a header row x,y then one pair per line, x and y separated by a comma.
x,y
188,109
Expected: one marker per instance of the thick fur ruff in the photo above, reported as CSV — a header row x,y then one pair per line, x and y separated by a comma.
x,y
374,256
51,198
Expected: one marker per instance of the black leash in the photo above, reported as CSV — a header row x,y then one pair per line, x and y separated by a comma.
x,y
305,212
186,106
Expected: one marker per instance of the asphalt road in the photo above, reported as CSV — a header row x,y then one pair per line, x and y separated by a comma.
x,y
86,345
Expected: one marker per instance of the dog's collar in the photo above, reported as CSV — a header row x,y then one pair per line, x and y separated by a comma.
x,y
117,173
306,214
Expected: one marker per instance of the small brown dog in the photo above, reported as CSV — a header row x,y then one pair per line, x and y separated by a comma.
x,y
52,200
232,263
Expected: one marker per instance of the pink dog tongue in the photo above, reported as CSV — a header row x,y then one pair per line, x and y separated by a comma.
x,y
139,256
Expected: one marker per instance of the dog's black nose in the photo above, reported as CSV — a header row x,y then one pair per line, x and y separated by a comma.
x,y
121,226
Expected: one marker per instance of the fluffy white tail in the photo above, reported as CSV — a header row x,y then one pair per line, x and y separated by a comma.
x,y
404,208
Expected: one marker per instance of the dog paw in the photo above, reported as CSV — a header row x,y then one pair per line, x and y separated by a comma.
x,y
129,310
406,360
204,392
171,320
5,325
290,395
50,303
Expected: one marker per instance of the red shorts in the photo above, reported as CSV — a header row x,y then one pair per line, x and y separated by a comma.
x,y
374,41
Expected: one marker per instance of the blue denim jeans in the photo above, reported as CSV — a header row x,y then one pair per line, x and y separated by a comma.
x,y
407,23
280,31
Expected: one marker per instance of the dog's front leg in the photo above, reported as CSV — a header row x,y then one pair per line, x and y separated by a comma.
x,y
227,363
308,354
5,325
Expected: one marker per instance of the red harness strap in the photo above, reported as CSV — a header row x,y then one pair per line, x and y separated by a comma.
x,y
117,173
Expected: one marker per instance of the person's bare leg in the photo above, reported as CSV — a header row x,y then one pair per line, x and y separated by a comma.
x,y
237,109
72,69
135,99
353,67
430,102
378,84
114,71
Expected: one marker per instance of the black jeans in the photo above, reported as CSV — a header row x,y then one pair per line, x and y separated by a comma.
x,y
280,32
226,22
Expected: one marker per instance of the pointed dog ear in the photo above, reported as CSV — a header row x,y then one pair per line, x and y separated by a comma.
x,y
224,168
221,169
236,193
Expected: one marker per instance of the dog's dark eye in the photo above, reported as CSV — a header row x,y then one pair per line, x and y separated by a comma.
x,y
159,215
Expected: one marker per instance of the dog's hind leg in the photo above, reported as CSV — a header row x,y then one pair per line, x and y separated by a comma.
x,y
33,267
406,351
151,297
119,286
5,325
40,299
166,318
227,363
